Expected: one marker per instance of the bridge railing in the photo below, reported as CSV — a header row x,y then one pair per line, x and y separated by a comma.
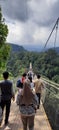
x,y
50,98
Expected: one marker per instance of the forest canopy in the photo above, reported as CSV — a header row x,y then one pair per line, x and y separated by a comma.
x,y
4,48
45,63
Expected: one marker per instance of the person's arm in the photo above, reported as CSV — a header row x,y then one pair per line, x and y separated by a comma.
x,y
42,84
18,98
35,101
13,93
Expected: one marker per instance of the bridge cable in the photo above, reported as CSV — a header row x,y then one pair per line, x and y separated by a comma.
x,y
56,25
56,34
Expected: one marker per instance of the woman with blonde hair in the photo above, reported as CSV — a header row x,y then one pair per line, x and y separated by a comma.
x,y
27,103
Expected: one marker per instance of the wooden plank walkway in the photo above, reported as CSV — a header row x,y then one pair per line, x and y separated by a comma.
x,y
41,120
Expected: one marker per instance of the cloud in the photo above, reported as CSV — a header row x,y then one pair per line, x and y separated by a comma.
x,y
44,12
40,34
30,21
16,32
15,9
40,11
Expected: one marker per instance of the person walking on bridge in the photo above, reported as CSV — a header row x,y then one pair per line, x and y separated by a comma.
x,y
27,105
6,94
38,85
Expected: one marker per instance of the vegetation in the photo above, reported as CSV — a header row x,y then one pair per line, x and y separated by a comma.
x,y
51,105
45,63
4,48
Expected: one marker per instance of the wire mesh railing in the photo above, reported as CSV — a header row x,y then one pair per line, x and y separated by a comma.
x,y
50,98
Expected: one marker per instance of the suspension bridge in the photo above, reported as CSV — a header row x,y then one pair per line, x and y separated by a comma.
x,y
47,117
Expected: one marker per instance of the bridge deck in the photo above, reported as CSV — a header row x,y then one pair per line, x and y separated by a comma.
x,y
41,120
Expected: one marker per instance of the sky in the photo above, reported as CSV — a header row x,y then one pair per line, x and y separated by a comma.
x,y
30,22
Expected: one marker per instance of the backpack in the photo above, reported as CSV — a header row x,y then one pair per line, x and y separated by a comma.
x,y
19,83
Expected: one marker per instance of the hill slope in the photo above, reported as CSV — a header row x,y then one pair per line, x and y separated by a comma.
x,y
16,48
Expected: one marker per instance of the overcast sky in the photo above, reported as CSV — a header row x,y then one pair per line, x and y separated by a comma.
x,y
30,21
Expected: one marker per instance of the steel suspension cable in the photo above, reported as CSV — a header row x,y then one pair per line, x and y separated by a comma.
x,y
56,34
51,33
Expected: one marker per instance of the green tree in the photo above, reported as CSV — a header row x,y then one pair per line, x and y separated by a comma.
x,y
3,30
4,48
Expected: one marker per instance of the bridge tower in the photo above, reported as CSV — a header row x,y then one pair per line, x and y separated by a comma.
x,y
30,72
30,68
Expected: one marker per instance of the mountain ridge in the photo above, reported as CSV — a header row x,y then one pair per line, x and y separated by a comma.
x,y
16,48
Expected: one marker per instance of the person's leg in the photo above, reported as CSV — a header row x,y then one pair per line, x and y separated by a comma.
x,y
8,104
1,117
31,122
2,104
39,96
24,121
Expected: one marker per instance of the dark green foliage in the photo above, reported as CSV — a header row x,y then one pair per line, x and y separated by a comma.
x,y
4,48
56,78
3,30
46,63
